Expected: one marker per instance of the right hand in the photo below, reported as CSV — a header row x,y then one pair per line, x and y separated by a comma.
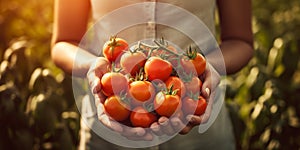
x,y
99,67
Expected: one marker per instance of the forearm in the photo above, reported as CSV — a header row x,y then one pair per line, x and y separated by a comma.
x,y
72,59
236,54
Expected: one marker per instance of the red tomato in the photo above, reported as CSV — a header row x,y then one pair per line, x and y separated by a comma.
x,y
141,91
132,62
193,85
166,105
199,63
196,106
157,68
187,67
116,109
113,83
177,85
113,48
159,52
140,117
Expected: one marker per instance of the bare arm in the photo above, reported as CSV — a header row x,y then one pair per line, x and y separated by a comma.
x,y
70,23
236,47
236,33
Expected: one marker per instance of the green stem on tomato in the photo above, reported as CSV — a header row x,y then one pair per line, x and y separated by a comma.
x,y
160,46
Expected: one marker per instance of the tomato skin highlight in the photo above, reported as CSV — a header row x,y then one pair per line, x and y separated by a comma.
x,y
113,83
140,117
116,109
132,62
196,107
167,105
113,48
157,68
177,85
141,91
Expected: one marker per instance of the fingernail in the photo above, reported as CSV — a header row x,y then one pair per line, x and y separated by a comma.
x,y
164,123
207,91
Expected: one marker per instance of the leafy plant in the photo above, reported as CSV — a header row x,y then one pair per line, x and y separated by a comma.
x,y
265,94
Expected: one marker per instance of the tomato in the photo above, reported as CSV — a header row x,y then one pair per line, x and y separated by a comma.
x,y
113,48
187,67
197,59
193,85
199,64
113,83
140,117
196,106
166,104
132,62
159,52
116,109
141,91
157,68
177,85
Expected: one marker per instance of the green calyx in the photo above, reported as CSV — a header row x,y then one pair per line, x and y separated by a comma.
x,y
191,53
170,91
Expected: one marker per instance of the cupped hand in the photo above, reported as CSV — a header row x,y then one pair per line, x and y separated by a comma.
x,y
98,68
131,133
177,124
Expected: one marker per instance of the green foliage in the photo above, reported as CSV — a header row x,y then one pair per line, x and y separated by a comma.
x,y
37,108
265,94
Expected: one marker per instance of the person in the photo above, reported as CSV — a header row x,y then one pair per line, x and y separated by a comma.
x,y
236,39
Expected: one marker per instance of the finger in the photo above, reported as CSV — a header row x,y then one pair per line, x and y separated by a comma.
x,y
91,76
100,109
115,126
205,91
194,120
99,98
105,120
186,130
96,85
208,110
166,126
207,85
133,132
156,129
211,81
146,137
179,126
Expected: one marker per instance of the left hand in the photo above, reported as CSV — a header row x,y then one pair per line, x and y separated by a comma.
x,y
172,125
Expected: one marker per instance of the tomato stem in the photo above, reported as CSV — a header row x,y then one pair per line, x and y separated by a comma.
x,y
124,98
115,69
170,91
148,107
161,46
194,96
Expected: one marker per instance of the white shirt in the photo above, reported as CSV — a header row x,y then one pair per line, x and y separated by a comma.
x,y
181,22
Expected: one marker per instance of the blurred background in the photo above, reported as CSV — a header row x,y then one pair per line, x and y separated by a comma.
x,y
37,107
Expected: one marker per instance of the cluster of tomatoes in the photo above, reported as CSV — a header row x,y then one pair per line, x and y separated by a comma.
x,y
145,82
